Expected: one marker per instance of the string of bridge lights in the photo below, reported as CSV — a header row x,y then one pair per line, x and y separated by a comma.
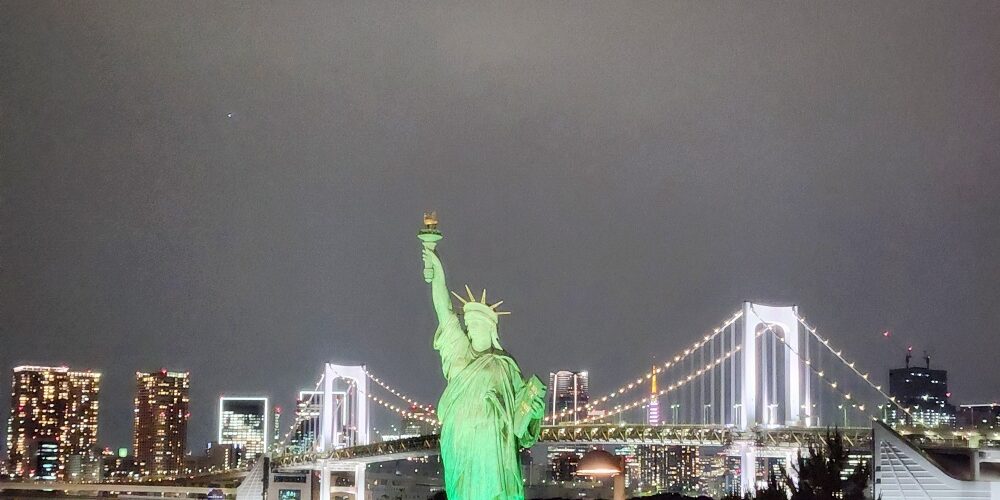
x,y
864,376
389,406
352,384
675,361
670,388
427,408
300,417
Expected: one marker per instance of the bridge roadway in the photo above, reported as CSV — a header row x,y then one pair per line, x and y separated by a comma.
x,y
768,441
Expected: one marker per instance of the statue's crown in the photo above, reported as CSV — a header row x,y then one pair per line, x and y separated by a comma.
x,y
471,305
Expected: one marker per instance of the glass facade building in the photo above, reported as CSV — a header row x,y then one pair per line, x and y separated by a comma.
x,y
244,421
307,409
568,390
925,392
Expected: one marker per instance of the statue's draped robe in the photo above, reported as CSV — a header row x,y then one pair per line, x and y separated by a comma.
x,y
478,443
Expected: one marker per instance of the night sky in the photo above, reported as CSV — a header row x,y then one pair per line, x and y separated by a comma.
x,y
234,189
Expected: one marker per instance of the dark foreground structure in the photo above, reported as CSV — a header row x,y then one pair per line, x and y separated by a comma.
x,y
903,471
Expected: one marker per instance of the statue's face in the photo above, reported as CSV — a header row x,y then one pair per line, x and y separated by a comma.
x,y
481,332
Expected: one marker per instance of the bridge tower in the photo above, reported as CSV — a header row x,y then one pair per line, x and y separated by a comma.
x,y
342,427
765,328
781,324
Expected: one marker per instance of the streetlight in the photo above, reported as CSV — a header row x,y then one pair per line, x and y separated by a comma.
x,y
737,414
599,463
842,407
704,413
674,410
772,413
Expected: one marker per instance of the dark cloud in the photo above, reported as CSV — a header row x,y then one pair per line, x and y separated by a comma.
x,y
623,175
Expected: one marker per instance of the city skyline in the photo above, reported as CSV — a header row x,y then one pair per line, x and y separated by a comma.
x,y
310,405
240,203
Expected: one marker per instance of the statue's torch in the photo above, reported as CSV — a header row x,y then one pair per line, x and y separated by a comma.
x,y
429,236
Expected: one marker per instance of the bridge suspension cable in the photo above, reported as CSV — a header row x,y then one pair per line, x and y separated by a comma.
x,y
671,362
389,406
426,407
311,419
863,376
680,383
301,416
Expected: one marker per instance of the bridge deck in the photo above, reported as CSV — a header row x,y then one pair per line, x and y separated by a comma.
x,y
773,439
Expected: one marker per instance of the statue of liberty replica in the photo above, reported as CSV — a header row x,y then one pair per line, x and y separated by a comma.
x,y
488,411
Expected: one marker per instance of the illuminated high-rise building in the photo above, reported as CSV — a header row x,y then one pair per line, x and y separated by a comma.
x,y
924,391
159,436
652,461
568,390
275,426
244,421
53,415
563,459
683,469
307,409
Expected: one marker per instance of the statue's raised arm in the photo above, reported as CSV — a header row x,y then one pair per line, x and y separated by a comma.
x,y
439,288
433,270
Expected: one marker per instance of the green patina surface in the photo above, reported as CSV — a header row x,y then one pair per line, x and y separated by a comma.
x,y
488,411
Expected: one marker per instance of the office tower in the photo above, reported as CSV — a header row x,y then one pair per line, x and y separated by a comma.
x,y
683,469
732,484
652,461
713,469
568,390
53,415
218,457
276,435
562,461
84,467
46,462
159,437
627,451
924,391
119,467
244,421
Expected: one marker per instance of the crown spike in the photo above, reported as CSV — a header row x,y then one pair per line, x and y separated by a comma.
x,y
472,297
459,297
502,313
495,306
483,300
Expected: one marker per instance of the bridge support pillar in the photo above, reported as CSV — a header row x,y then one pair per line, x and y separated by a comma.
x,y
324,483
748,468
359,482
748,401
